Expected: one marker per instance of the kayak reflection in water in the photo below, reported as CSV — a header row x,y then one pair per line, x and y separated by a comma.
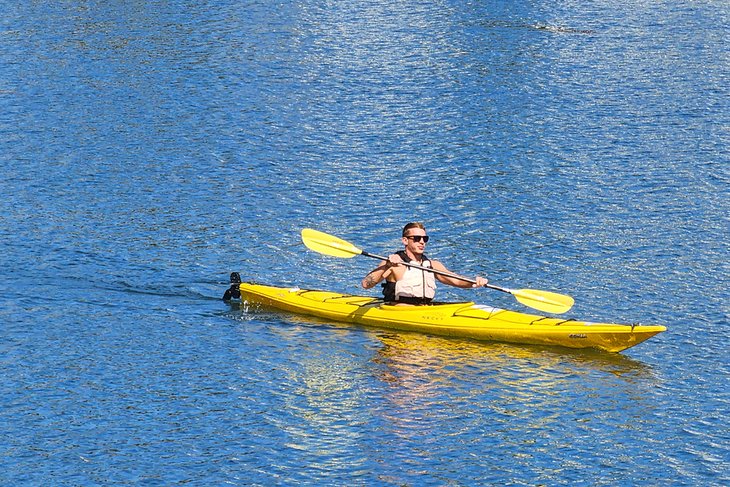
x,y
409,285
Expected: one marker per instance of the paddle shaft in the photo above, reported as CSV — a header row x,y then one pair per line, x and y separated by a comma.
x,y
436,271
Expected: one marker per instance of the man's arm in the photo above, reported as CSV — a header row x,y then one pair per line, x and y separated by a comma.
x,y
376,275
452,281
383,271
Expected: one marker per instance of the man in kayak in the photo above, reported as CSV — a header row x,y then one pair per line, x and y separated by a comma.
x,y
408,285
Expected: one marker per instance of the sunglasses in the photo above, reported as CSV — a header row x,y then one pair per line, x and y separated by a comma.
x,y
417,238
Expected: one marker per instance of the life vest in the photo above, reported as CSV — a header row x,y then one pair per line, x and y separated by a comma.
x,y
415,287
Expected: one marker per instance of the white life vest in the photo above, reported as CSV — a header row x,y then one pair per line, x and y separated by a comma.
x,y
416,283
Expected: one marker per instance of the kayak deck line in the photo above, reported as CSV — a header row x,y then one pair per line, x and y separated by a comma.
x,y
453,319
565,321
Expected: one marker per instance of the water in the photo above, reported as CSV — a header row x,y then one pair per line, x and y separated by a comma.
x,y
148,149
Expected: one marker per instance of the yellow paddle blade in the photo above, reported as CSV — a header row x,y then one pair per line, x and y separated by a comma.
x,y
328,245
543,300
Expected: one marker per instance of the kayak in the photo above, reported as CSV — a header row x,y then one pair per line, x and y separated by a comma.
x,y
462,319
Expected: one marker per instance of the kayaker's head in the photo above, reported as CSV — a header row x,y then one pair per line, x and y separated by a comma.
x,y
415,238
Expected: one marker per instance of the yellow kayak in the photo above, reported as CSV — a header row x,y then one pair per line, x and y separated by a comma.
x,y
465,320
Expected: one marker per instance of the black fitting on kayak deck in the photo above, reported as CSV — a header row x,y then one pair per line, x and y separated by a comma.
x,y
233,292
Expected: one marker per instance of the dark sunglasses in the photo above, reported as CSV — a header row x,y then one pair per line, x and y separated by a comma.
x,y
417,238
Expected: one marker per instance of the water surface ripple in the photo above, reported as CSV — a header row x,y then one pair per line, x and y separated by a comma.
x,y
147,149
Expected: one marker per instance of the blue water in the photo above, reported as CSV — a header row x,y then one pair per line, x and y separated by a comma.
x,y
147,149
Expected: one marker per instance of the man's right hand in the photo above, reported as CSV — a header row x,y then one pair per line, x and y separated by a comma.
x,y
394,260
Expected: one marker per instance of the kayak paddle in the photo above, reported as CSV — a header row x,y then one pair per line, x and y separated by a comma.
x,y
336,247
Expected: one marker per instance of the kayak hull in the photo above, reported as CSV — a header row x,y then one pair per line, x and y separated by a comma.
x,y
464,320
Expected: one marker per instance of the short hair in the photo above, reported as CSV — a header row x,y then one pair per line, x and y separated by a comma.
x,y
413,225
